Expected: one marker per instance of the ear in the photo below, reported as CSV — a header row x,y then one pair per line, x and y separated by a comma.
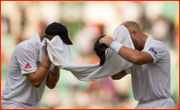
x,y
134,32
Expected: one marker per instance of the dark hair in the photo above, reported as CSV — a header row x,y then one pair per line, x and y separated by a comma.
x,y
48,36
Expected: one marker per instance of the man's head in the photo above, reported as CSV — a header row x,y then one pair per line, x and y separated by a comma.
x,y
57,29
136,34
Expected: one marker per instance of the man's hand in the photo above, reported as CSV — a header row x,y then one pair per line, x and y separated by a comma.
x,y
107,40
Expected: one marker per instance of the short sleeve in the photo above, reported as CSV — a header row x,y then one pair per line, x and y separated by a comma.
x,y
26,60
128,70
156,50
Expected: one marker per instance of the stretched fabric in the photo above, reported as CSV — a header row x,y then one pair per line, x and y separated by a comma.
x,y
61,56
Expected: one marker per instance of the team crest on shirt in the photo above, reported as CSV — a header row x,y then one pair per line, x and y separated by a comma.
x,y
153,50
38,63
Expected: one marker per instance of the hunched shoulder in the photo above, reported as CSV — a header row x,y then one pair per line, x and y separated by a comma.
x,y
26,46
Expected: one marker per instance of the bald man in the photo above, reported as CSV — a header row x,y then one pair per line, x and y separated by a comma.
x,y
151,70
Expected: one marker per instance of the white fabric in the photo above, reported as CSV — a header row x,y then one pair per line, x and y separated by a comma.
x,y
162,103
153,81
18,87
116,46
8,104
60,55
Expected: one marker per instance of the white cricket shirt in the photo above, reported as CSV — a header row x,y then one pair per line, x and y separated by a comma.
x,y
24,60
154,80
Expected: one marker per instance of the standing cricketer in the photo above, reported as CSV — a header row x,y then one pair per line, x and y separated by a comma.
x,y
151,71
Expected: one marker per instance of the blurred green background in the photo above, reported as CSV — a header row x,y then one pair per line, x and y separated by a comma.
x,y
86,21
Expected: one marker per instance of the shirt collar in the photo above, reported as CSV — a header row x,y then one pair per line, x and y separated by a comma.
x,y
148,40
35,40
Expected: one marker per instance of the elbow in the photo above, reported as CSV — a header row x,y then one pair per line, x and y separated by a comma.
x,y
135,60
52,86
36,84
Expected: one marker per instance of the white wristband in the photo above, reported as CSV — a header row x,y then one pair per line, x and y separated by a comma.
x,y
116,46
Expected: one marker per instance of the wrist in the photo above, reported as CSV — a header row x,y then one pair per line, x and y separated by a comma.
x,y
52,73
116,46
45,67
47,61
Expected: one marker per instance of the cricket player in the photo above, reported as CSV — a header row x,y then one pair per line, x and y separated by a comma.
x,y
151,70
27,76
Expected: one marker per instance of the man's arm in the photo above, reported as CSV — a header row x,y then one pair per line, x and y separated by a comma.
x,y
119,75
37,77
135,56
131,55
53,78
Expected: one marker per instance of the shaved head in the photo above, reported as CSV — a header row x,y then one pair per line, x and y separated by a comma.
x,y
135,33
131,25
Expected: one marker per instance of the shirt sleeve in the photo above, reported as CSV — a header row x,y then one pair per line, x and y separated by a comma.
x,y
129,70
26,60
157,51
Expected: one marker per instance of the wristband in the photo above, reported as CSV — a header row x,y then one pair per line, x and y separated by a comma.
x,y
116,46
45,67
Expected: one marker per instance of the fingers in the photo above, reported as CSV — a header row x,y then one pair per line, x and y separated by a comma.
x,y
107,40
46,44
100,40
103,40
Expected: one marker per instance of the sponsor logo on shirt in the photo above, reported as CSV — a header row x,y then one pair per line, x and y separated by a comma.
x,y
153,50
27,66
38,63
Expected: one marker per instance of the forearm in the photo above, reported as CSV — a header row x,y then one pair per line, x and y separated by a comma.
x,y
130,55
53,78
40,74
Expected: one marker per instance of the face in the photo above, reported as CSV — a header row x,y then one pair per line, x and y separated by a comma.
x,y
135,41
135,37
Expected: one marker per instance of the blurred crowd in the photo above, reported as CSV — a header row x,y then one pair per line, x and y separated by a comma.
x,y
86,21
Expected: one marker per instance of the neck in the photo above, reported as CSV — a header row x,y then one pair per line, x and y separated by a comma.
x,y
143,41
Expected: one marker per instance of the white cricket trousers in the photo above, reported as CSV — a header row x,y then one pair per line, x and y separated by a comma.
x,y
7,104
161,103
